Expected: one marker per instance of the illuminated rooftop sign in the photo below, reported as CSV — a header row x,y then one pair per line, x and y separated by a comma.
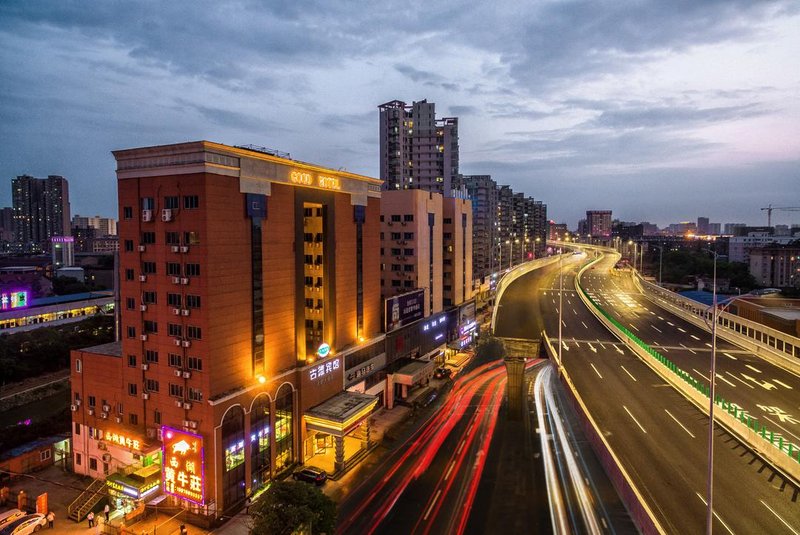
x,y
306,178
182,457
15,299
323,350
318,371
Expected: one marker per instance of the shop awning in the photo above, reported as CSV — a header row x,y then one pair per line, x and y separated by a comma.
x,y
138,484
341,413
414,372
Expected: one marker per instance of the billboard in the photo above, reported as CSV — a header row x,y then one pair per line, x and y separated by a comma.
x,y
13,299
182,465
404,309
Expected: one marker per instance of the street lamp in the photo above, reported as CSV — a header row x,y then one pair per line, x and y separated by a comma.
x,y
660,258
712,381
510,255
560,301
631,242
520,248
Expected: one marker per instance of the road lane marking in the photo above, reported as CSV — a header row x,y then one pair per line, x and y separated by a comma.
x,y
595,370
601,344
730,356
780,426
634,328
656,328
680,424
701,374
430,507
693,336
592,347
670,324
563,323
564,345
715,513
629,373
460,447
662,319
753,368
584,324
785,523
681,330
745,383
690,350
618,349
634,419
452,465
574,311
782,384
722,378
709,345
766,385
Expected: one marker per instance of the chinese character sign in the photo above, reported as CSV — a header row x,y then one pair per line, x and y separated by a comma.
x,y
15,299
182,459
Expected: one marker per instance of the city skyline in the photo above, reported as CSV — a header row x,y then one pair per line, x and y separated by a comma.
x,y
629,107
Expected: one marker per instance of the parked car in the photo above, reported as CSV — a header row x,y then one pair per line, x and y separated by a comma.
x,y
310,474
25,525
442,373
10,516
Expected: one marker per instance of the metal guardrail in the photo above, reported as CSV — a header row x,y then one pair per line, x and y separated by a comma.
x,y
735,417
756,336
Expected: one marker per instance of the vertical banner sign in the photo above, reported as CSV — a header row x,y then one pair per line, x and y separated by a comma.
x,y
183,470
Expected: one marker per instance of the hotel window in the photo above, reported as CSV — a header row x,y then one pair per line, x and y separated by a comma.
x,y
133,419
173,329
127,212
131,361
157,417
131,331
192,270
130,303
408,267
173,269
151,356
148,238
149,268
308,237
132,389
396,283
396,267
308,259
172,238
191,238
191,201
171,202
150,327
408,235
151,385
128,274
149,298
174,300
396,218
395,235
176,391
408,217
396,251
408,284
92,401
192,301
309,281
309,303
195,394
176,361
128,246
195,363
148,203
408,252
92,464
194,333
381,236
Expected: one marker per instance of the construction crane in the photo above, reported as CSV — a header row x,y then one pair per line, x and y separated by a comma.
x,y
770,208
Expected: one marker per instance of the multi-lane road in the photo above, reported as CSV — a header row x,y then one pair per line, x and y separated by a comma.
x,y
659,437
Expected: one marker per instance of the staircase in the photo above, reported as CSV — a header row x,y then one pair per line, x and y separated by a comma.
x,y
87,500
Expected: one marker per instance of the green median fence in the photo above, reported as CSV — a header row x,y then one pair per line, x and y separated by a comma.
x,y
777,441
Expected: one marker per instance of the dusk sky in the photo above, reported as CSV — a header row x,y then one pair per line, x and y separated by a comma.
x,y
661,111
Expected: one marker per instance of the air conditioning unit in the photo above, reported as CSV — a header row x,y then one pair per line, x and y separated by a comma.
x,y
186,343
176,280
106,457
142,278
187,406
73,408
184,280
151,432
184,248
147,215
186,423
143,308
78,402
145,367
104,415
143,337
175,248
177,341
91,412
106,408
192,424
118,419
176,373
102,445
187,375
142,248
166,214
145,395
176,311
185,312
179,403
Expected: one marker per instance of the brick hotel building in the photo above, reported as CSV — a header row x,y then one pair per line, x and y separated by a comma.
x,y
245,277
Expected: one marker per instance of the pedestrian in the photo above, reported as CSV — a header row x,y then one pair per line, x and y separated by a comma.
x,y
106,510
247,505
90,518
183,529
51,518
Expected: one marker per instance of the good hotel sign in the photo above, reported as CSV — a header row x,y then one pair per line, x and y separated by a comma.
x,y
306,178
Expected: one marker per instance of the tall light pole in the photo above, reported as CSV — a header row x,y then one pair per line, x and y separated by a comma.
x,y
660,260
560,301
713,379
